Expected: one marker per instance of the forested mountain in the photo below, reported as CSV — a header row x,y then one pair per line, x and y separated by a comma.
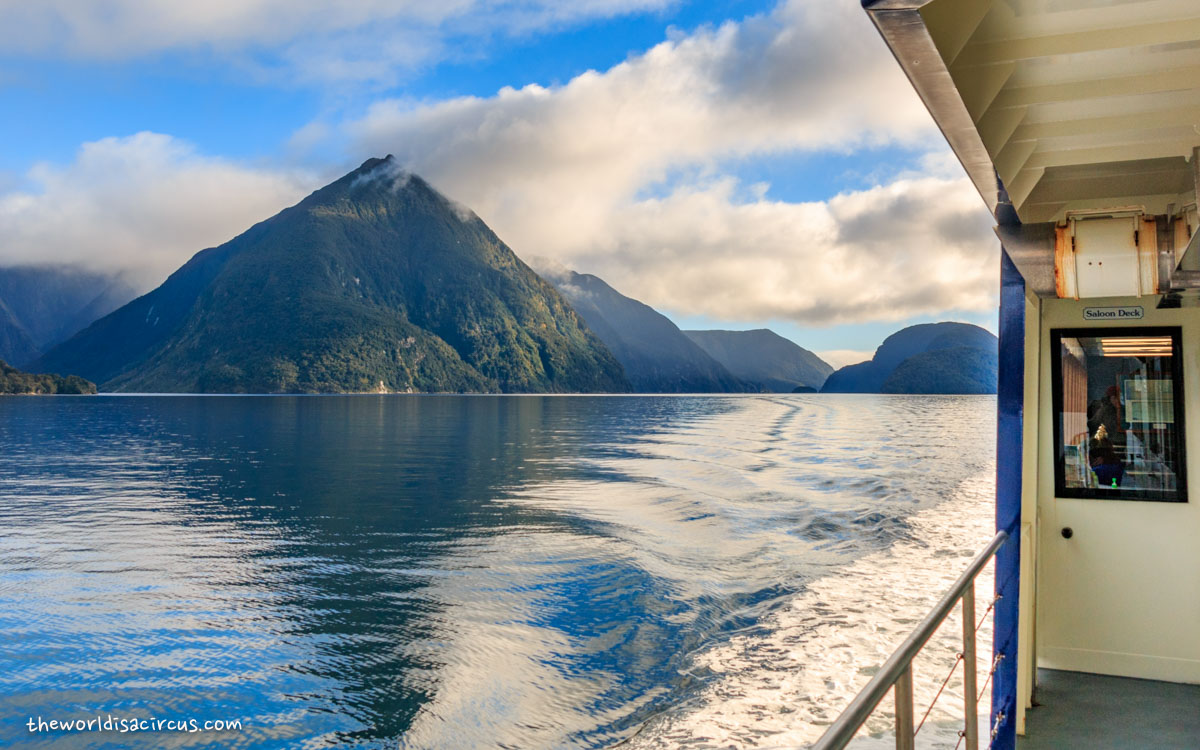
x,y
374,282
926,358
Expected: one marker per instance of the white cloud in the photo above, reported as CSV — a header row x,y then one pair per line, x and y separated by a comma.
x,y
562,172
809,76
141,205
914,247
565,173
313,40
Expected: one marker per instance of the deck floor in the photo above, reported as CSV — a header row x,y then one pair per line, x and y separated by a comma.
x,y
1097,712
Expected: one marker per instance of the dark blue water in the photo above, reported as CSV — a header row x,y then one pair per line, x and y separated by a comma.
x,y
432,571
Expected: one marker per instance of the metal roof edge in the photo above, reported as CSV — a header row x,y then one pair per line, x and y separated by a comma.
x,y
903,28
872,5
1031,249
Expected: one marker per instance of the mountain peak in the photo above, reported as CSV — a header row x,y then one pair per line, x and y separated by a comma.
x,y
375,161
377,180
386,172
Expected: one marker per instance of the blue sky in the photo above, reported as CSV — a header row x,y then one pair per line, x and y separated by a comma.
x,y
64,102
733,163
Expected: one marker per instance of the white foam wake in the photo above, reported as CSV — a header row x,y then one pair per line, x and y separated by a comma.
x,y
782,684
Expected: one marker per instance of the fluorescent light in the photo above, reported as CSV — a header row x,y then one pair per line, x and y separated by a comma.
x,y
1137,346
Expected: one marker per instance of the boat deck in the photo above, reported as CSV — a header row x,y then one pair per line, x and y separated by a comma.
x,y
1097,712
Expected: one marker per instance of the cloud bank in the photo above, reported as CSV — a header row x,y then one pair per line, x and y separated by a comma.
x,y
621,173
139,206
913,247
564,172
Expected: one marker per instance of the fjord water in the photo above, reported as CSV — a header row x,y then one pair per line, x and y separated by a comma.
x,y
474,572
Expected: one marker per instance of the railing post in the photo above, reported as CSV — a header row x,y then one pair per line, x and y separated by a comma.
x,y
896,674
970,686
905,740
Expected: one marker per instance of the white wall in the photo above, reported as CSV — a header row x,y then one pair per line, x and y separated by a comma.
x,y
1026,654
1122,596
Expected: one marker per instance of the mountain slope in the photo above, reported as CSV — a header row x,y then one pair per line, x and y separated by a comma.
x,y
375,281
16,344
764,359
656,355
43,305
939,372
861,377
957,370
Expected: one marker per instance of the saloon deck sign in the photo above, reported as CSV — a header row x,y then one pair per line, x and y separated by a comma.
x,y
1113,313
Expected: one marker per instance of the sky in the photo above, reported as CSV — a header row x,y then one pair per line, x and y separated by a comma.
x,y
732,163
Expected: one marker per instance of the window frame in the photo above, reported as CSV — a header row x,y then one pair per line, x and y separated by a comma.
x,y
1178,396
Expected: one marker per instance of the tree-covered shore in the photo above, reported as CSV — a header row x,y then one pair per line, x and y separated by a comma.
x,y
13,381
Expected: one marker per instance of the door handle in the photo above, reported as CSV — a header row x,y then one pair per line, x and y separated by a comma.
x,y
1067,532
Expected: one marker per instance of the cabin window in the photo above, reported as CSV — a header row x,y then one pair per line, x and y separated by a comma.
x,y
1118,405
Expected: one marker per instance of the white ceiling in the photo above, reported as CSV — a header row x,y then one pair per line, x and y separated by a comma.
x,y
1078,104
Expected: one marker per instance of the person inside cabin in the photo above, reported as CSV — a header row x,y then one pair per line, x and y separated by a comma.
x,y
1106,412
1102,455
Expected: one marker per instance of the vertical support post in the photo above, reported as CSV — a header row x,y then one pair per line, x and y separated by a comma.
x,y
1010,399
905,739
970,683
1196,167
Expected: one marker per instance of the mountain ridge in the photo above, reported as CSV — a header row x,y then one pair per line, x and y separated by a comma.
x,y
656,355
42,305
764,359
373,282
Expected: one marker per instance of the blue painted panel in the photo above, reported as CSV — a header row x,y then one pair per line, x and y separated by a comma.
x,y
1010,406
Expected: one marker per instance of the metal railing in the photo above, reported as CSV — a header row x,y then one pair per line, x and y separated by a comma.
x,y
897,670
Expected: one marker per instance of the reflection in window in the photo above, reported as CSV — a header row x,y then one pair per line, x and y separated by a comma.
x,y
1118,414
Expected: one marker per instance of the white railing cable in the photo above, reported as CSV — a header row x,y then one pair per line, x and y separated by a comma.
x,y
897,670
957,658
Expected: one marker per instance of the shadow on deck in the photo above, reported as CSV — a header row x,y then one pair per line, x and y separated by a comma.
x,y
1097,712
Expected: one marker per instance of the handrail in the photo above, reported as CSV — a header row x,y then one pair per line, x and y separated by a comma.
x,y
897,670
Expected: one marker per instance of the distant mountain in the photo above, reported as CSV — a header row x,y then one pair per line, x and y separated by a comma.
x,y
656,355
959,369
374,282
15,342
926,358
41,306
13,381
764,359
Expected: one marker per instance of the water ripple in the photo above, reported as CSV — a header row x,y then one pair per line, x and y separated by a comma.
x,y
474,572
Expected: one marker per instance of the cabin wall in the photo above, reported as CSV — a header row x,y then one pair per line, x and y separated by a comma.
x,y
1122,595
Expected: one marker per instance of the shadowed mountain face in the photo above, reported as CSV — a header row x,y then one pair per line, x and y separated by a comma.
x,y
374,282
41,306
763,358
15,342
656,355
958,369
927,358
